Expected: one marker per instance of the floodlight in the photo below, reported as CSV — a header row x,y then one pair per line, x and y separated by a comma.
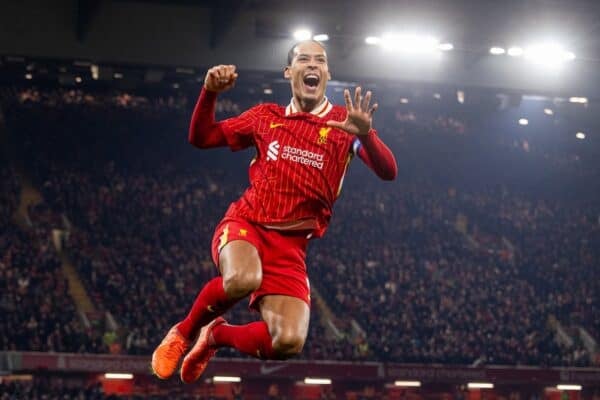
x,y
549,54
372,40
515,51
227,379
409,43
118,375
480,385
568,387
407,383
302,34
317,381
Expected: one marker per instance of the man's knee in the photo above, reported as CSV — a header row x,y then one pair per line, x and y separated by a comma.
x,y
238,284
288,344
241,269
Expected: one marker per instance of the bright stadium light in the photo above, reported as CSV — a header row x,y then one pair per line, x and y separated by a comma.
x,y
227,379
28,77
409,43
480,385
302,34
322,37
548,111
95,71
580,135
569,387
117,375
446,46
317,381
78,79
372,40
523,121
548,54
515,51
579,100
407,383
497,51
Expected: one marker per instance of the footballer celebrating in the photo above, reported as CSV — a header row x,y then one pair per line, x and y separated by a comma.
x,y
302,154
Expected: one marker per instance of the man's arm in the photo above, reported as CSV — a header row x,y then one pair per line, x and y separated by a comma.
x,y
377,156
369,147
204,131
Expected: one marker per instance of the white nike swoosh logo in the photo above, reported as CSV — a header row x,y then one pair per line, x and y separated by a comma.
x,y
266,370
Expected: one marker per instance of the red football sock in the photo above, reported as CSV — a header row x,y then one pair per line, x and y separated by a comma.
x,y
252,339
211,302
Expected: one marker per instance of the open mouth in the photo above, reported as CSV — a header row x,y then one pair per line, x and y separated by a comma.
x,y
311,81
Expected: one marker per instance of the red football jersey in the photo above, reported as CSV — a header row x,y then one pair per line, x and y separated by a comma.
x,y
299,167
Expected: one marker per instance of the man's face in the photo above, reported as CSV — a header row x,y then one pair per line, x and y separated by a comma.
x,y
308,73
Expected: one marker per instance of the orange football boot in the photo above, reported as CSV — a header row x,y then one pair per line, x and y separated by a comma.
x,y
165,358
197,359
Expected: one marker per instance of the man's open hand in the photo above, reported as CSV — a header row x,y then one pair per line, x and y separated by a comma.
x,y
360,116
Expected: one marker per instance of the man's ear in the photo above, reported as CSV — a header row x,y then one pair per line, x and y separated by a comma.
x,y
328,75
287,73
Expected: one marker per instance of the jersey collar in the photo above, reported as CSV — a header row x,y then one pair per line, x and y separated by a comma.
x,y
320,111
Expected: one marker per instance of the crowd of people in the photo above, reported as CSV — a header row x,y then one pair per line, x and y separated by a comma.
x,y
38,313
425,290
441,265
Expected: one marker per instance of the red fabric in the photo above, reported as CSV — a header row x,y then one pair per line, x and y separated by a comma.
x,y
377,156
204,131
282,254
252,339
300,162
211,297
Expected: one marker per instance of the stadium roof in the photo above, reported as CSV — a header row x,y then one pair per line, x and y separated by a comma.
x,y
255,34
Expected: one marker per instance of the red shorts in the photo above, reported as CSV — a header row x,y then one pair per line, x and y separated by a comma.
x,y
282,254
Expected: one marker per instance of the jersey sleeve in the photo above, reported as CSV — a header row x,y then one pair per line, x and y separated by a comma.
x,y
239,131
376,155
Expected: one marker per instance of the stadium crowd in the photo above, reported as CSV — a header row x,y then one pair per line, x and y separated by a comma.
x,y
38,312
438,266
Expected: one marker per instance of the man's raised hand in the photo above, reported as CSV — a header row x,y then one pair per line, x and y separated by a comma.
x,y
360,116
220,78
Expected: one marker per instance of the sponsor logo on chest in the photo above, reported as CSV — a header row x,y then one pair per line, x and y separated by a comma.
x,y
294,154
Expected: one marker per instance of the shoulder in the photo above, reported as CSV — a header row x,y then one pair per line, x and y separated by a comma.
x,y
268,108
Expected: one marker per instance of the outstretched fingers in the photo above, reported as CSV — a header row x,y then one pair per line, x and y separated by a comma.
x,y
373,109
348,100
358,97
366,101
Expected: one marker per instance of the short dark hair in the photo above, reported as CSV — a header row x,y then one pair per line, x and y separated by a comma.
x,y
290,56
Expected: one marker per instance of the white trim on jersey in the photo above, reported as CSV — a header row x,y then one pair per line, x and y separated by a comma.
x,y
320,111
